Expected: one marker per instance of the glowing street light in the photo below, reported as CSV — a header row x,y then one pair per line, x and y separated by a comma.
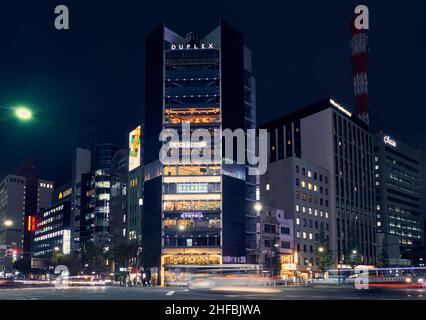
x,y
8,223
23,113
56,249
321,249
258,207
354,252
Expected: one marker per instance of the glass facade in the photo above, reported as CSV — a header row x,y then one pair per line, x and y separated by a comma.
x,y
191,202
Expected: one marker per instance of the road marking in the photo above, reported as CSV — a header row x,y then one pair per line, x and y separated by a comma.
x,y
170,293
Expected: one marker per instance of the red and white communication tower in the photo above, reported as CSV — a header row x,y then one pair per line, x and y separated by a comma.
x,y
359,45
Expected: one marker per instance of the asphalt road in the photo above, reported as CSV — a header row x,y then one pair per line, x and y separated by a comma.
x,y
288,293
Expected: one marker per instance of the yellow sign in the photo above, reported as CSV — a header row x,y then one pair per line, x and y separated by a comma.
x,y
135,149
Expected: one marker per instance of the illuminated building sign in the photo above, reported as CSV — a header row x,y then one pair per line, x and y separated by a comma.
x,y
339,107
135,149
31,225
191,215
191,46
388,140
66,242
192,188
64,194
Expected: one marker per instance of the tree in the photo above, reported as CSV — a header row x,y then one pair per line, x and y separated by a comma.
x,y
123,252
323,254
355,256
23,266
383,257
93,255
71,261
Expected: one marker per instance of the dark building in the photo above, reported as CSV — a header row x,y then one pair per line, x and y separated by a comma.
x,y
197,213
87,200
329,136
119,194
398,183
102,171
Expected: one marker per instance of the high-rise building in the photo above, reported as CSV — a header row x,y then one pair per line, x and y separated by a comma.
x,y
102,170
87,209
329,136
398,183
53,233
135,186
81,165
119,195
197,213
302,189
21,197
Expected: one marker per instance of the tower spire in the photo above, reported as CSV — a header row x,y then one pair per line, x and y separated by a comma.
x,y
359,45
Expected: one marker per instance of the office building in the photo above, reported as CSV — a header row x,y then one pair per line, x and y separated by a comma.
x,y
102,167
118,198
398,183
21,197
81,165
135,186
197,213
53,233
329,136
302,190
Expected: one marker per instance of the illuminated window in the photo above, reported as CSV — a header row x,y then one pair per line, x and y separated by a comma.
x,y
268,187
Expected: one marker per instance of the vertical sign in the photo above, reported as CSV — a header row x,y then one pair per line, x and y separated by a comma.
x,y
135,149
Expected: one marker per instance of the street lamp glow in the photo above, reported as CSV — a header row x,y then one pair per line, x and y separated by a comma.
x,y
354,252
8,223
181,227
56,249
321,249
258,206
23,113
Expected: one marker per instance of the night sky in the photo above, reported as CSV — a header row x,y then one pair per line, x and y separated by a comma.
x,y
93,74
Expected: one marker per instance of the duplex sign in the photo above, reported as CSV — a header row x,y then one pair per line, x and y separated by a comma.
x,y
191,46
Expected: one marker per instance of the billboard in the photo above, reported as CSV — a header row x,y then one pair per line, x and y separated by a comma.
x,y
135,149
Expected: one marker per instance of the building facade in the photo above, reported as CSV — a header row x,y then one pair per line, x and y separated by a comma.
x,y
53,233
18,194
331,137
102,172
135,187
275,241
302,190
118,197
398,183
199,213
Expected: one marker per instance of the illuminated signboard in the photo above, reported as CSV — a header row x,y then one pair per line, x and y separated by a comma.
x,y
192,188
135,149
66,242
64,194
31,225
191,46
191,215
338,106
388,140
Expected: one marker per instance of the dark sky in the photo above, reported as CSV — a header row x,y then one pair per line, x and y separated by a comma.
x,y
94,73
